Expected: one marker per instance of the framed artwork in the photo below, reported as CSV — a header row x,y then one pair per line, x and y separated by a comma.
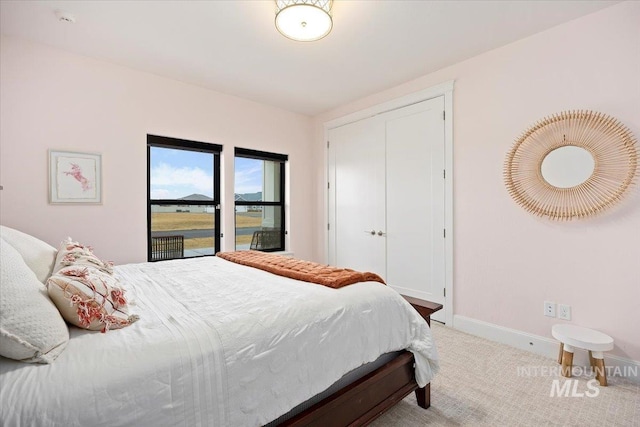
x,y
75,177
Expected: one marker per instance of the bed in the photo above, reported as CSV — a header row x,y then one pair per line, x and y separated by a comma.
x,y
228,345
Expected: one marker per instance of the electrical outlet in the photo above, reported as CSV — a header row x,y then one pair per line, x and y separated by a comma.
x,y
564,311
550,309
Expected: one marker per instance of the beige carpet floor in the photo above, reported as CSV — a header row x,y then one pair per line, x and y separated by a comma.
x,y
479,385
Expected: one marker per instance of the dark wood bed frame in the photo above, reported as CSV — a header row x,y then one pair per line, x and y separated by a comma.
x,y
364,400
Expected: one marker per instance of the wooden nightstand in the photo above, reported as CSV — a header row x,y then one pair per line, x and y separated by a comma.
x,y
423,307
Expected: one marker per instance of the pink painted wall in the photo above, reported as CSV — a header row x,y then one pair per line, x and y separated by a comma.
x,y
51,99
506,261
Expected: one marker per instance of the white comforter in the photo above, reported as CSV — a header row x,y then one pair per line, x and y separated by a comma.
x,y
217,344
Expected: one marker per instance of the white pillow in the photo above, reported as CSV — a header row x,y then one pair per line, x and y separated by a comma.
x,y
38,255
31,328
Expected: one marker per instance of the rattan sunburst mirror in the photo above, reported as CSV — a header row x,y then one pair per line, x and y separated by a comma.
x,y
571,165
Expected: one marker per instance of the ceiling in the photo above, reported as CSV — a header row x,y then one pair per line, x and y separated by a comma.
x,y
233,47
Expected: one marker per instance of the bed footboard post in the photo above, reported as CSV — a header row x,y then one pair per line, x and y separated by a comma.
x,y
423,396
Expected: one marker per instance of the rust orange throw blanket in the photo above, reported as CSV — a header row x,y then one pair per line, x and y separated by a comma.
x,y
307,271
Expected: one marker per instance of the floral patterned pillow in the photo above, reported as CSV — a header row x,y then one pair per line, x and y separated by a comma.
x,y
86,292
73,253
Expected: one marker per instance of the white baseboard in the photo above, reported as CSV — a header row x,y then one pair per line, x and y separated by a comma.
x,y
543,346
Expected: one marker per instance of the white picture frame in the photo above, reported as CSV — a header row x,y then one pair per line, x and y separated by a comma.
x,y
75,178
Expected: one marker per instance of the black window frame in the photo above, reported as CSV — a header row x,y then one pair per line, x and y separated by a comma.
x,y
274,157
187,145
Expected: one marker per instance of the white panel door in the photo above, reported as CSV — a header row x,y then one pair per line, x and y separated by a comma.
x,y
387,198
415,163
357,196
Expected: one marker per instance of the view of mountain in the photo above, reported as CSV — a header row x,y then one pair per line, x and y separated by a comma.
x,y
245,197
249,197
197,197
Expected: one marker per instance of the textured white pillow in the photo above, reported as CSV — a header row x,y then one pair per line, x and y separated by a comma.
x,y
38,255
31,328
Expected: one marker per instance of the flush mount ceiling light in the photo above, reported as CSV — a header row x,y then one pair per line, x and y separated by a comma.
x,y
304,20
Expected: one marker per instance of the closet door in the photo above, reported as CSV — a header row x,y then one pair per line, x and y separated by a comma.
x,y
387,198
357,192
415,162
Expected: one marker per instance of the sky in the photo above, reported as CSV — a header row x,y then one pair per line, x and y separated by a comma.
x,y
180,173
248,177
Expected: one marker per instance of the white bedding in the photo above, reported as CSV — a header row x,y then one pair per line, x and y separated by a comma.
x,y
217,344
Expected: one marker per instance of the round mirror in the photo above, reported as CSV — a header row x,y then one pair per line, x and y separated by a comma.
x,y
551,175
567,166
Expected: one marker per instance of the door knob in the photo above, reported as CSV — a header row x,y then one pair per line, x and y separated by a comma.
x,y
372,232
381,233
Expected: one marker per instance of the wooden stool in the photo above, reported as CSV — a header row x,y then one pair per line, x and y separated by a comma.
x,y
571,336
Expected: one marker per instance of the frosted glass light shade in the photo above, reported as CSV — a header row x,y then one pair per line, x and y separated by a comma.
x,y
304,20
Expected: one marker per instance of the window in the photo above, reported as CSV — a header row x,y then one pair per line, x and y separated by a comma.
x,y
183,193
259,199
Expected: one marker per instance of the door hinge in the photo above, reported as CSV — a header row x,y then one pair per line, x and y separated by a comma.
x,y
444,232
444,292
328,226
444,115
327,144
444,173
328,185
